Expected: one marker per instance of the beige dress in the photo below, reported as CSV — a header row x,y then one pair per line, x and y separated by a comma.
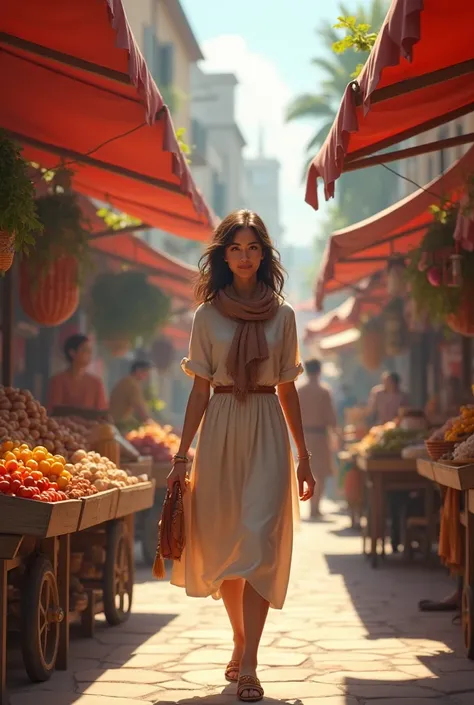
x,y
240,507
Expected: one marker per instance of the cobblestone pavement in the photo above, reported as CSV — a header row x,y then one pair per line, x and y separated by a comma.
x,y
348,635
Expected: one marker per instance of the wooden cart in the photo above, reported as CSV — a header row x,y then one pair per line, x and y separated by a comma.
x,y
37,553
385,474
147,521
460,477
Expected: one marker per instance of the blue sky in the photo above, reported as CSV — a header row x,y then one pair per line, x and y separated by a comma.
x,y
269,45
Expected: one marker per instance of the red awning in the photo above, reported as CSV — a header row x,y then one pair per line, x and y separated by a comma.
x,y
171,275
76,87
421,45
362,249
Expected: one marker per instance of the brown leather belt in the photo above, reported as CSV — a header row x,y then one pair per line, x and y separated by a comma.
x,y
256,390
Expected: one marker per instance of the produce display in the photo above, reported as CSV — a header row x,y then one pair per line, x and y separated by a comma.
x,y
101,472
388,439
22,417
38,475
462,426
159,442
78,428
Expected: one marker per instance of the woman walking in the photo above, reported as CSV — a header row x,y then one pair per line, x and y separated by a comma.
x,y
239,501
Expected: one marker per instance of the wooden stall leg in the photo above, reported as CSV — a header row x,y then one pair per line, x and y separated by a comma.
x,y
3,632
468,591
88,616
63,591
430,521
374,495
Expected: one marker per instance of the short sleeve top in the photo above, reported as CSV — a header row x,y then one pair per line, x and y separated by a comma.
x,y
212,335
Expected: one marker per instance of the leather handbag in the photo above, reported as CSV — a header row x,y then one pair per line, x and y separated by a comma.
x,y
171,531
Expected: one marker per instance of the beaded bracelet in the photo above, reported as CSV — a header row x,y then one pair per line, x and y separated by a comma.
x,y
307,456
181,458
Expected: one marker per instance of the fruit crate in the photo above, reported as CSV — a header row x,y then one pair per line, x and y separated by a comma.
x,y
143,466
98,508
135,498
26,517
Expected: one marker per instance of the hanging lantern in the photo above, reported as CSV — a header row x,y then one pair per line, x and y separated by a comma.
x,y
7,251
52,297
371,348
395,329
396,285
162,354
462,321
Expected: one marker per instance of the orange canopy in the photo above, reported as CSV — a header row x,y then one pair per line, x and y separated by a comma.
x,y
422,44
76,87
362,249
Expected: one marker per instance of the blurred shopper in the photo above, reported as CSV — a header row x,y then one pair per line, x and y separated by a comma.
x,y
239,503
386,399
319,418
127,400
76,388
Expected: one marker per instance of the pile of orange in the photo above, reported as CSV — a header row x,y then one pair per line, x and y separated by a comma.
x,y
38,463
463,426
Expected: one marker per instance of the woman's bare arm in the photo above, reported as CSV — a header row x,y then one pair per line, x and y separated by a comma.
x,y
290,404
197,405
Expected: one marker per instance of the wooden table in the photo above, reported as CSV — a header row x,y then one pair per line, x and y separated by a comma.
x,y
460,478
386,474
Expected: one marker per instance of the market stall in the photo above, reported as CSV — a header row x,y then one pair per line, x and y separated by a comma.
x,y
386,457
66,534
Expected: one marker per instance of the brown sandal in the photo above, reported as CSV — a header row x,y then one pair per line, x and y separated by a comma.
x,y
249,683
233,667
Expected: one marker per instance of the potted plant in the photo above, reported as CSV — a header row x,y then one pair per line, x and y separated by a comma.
x,y
19,223
50,276
441,271
124,306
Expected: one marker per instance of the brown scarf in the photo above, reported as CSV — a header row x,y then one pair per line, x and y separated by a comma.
x,y
249,346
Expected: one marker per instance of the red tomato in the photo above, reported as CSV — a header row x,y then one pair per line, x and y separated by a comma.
x,y
15,486
53,486
44,497
62,495
5,487
36,491
3,469
16,476
35,496
43,484
29,481
26,492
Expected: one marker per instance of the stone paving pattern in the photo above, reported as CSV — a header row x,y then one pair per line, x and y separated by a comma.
x,y
348,635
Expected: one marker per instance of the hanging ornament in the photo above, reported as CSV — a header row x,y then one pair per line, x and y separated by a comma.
x,y
454,277
396,285
435,275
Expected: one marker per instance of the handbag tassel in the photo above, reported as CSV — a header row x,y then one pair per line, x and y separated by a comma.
x,y
158,570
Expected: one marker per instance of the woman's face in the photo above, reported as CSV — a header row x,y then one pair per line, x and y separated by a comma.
x,y
82,357
245,254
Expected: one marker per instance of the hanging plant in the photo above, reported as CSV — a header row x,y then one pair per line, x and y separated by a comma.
x,y
429,270
66,232
124,307
19,224
51,274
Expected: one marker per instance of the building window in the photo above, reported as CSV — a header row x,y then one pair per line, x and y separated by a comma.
x,y
159,58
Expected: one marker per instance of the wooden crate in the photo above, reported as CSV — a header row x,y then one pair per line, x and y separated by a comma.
x,y
98,508
135,498
143,466
459,478
369,463
425,468
470,501
43,519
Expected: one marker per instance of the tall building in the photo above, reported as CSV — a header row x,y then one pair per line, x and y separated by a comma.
x,y
262,179
217,160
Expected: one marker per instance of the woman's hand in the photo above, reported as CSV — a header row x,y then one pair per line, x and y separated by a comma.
x,y
306,481
178,474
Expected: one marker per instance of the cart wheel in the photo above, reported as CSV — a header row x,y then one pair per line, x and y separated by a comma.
x,y
40,615
468,620
150,533
118,574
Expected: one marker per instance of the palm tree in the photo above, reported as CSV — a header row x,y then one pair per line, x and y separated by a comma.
x,y
363,194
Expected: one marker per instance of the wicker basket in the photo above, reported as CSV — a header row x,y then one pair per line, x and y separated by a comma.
x,y
436,449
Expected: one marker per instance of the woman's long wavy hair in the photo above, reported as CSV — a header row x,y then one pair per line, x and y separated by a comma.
x,y
214,272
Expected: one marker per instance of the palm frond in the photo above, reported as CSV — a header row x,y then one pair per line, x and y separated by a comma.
x,y
308,105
